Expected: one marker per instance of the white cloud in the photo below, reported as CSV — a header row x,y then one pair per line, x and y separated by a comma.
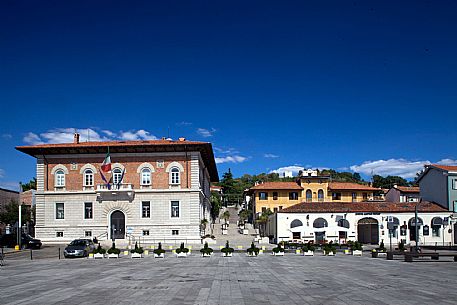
x,y
230,159
65,135
291,168
10,185
7,136
270,156
206,133
183,123
2,173
393,167
136,135
32,139
447,162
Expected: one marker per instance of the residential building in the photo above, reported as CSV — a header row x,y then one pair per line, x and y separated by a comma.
x,y
366,222
403,194
156,190
438,183
310,187
275,196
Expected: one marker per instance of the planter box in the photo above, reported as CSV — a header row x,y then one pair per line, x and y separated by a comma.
x,y
245,232
136,255
330,254
224,232
98,255
382,254
161,255
112,255
227,254
206,255
278,254
308,253
357,252
182,254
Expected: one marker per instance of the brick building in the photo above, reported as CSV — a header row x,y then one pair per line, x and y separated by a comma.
x,y
158,190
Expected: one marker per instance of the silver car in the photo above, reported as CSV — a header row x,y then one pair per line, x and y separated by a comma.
x,y
79,248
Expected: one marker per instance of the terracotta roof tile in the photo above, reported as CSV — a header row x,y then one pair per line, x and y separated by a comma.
x,y
351,186
277,186
408,189
348,207
445,167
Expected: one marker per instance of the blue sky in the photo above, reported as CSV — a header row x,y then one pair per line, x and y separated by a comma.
x,y
354,85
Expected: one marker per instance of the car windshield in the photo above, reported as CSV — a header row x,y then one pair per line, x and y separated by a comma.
x,y
78,242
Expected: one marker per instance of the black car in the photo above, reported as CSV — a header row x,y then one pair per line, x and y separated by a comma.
x,y
27,241
79,248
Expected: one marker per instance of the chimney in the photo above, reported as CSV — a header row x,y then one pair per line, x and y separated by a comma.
x,y
182,139
76,138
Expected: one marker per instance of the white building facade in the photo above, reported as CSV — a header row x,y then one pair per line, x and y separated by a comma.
x,y
369,223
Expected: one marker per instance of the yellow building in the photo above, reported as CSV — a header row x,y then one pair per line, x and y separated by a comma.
x,y
310,187
275,196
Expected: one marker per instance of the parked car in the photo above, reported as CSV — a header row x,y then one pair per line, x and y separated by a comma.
x,y
27,241
79,248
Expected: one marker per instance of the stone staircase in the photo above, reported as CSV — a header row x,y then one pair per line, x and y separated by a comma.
x,y
234,236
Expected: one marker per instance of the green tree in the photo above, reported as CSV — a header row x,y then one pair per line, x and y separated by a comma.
x,y
226,216
31,185
216,205
244,215
10,213
262,221
389,181
203,224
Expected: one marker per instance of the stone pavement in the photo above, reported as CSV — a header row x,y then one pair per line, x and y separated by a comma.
x,y
236,280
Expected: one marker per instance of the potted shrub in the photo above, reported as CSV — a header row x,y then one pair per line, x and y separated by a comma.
x,y
137,252
113,252
329,250
159,252
381,251
99,252
253,250
278,251
308,249
227,251
206,251
182,251
357,249
401,246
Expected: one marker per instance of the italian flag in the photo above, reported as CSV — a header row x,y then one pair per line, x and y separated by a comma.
x,y
106,165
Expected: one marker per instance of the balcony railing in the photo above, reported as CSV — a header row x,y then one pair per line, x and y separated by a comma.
x,y
123,191
115,187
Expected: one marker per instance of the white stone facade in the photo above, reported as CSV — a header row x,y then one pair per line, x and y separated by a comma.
x,y
279,226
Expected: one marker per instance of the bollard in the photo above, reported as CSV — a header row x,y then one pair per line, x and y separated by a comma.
x,y
31,254
59,253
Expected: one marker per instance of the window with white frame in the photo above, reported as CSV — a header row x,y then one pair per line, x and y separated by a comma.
x,y
174,232
145,176
88,210
175,209
145,209
454,184
59,178
60,210
117,175
88,177
88,233
59,234
145,232
175,176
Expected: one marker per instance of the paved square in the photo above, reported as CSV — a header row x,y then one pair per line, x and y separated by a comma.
x,y
236,280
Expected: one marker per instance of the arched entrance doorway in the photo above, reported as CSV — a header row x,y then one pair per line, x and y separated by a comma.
x,y
412,227
117,225
368,231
